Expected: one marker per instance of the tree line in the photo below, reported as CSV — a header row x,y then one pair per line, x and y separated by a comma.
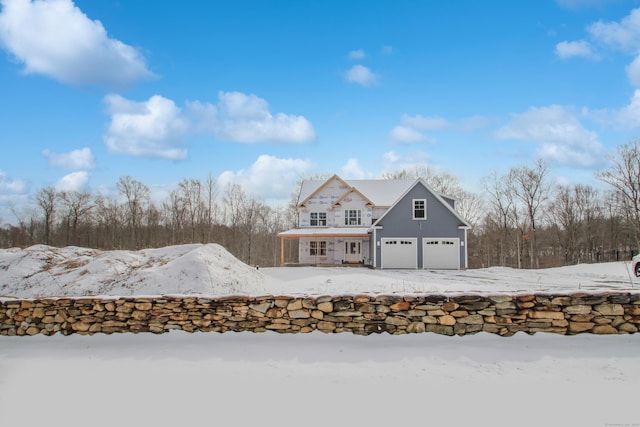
x,y
521,219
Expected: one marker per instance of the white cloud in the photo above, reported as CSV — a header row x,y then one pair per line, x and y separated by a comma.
x,y
579,49
75,181
633,71
392,161
559,133
353,170
623,35
412,128
56,39
11,186
154,128
77,159
627,117
269,177
361,75
158,128
357,54
386,50
424,123
404,134
246,118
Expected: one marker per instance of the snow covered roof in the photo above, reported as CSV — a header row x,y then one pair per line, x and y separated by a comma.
x,y
381,192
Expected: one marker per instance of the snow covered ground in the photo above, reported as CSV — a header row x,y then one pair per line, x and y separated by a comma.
x,y
311,379
210,270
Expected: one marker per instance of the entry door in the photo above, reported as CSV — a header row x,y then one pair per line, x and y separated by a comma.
x,y
352,250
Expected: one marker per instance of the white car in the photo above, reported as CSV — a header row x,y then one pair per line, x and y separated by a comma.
x,y
635,263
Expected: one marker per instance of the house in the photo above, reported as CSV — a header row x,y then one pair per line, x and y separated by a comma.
x,y
380,223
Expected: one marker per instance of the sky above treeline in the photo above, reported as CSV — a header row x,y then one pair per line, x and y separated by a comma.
x,y
261,93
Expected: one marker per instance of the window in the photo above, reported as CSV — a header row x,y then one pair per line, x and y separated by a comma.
x,y
352,217
318,219
419,209
318,248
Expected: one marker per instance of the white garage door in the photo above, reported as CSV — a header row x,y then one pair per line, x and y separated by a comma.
x,y
399,253
441,253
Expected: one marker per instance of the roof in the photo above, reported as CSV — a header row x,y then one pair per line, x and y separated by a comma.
x,y
381,192
326,232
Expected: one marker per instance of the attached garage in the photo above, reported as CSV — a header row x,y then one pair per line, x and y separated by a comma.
x,y
399,252
441,253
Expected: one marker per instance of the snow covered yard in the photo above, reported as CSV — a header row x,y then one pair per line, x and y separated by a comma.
x,y
311,379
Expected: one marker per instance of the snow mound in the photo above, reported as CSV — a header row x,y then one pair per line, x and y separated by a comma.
x,y
45,271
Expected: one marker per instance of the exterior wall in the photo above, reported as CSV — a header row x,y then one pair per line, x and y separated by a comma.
x,y
335,250
355,202
504,315
323,201
399,222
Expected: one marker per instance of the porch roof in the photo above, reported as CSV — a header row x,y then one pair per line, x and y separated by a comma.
x,y
325,232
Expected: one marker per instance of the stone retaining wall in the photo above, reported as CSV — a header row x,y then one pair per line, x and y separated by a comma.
x,y
567,314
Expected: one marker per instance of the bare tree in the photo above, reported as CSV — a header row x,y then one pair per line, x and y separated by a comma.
x,y
78,206
46,198
624,176
532,188
137,197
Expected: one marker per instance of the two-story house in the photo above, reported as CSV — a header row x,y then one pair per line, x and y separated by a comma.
x,y
381,223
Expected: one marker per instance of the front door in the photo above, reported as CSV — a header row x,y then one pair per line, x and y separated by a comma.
x,y
352,251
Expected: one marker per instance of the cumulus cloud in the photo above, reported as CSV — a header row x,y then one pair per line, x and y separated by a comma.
x,y
56,39
412,128
404,134
11,186
352,170
158,128
269,177
357,54
558,132
239,117
625,117
361,75
153,128
75,181
393,161
575,49
77,159
623,35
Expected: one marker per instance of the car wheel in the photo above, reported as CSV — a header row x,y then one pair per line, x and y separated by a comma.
x,y
636,269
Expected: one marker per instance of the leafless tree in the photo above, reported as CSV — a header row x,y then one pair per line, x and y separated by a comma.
x,y
46,199
624,176
532,188
137,197
78,207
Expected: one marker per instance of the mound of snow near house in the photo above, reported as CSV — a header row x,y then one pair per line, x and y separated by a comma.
x,y
42,270
210,270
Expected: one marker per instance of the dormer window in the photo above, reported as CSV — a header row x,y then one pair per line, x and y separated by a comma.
x,y
318,219
352,217
419,208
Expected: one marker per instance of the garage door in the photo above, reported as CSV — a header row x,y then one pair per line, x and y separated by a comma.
x,y
399,253
441,253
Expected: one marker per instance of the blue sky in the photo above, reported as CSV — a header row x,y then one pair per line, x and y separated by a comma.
x,y
262,92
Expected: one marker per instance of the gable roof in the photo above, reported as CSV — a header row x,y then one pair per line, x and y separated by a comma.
x,y
352,190
309,188
463,222
380,192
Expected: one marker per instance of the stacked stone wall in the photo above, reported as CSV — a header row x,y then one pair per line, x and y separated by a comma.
x,y
567,314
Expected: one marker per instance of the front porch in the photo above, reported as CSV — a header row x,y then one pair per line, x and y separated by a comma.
x,y
325,246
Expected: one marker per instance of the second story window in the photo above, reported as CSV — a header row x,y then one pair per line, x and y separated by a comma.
x,y
352,217
419,209
318,219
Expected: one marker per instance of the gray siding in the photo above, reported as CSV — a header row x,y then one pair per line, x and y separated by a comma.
x,y
440,222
